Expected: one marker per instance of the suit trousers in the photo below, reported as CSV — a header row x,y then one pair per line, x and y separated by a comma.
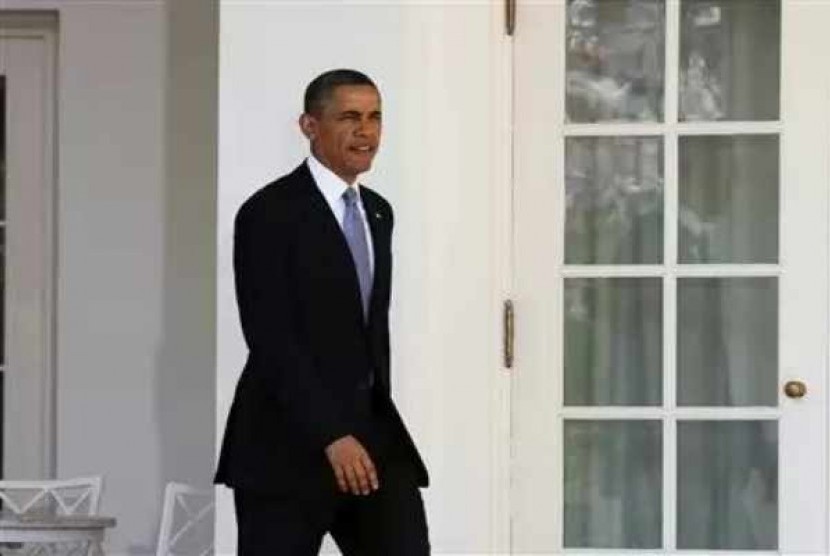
x,y
389,521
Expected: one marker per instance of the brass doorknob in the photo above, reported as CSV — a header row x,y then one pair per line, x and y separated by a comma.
x,y
795,389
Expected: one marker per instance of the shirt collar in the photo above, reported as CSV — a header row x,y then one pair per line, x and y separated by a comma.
x,y
330,184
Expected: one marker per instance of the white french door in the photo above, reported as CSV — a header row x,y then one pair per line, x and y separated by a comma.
x,y
26,181
672,169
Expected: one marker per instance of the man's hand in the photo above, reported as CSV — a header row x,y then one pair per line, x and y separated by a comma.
x,y
352,466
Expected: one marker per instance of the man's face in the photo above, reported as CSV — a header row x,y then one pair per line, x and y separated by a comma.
x,y
346,134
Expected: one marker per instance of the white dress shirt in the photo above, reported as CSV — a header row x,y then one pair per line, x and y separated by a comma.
x,y
332,187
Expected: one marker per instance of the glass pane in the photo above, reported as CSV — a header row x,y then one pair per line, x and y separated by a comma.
x,y
2,297
2,420
2,226
730,59
615,60
728,199
2,264
727,485
613,341
613,476
2,147
614,204
727,341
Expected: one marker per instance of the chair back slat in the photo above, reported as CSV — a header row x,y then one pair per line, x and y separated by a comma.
x,y
186,526
61,497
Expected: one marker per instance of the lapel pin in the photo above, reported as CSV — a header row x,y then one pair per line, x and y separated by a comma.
x,y
378,215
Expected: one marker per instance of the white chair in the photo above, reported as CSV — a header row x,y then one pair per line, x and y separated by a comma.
x,y
71,497
186,521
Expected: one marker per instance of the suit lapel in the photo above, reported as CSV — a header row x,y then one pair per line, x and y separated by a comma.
x,y
380,247
328,239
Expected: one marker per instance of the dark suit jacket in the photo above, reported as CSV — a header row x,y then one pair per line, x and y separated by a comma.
x,y
311,352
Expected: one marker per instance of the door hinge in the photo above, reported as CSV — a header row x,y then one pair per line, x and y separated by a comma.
x,y
509,331
509,17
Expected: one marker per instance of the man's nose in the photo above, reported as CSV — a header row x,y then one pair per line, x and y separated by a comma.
x,y
365,127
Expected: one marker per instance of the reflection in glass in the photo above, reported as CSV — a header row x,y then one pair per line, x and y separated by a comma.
x,y
728,199
2,227
2,297
613,341
727,341
615,60
2,147
2,261
613,484
2,418
727,485
730,59
614,200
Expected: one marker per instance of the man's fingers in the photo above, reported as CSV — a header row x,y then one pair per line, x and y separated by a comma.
x,y
371,472
351,477
340,474
353,467
362,476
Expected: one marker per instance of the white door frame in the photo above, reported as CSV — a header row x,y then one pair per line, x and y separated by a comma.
x,y
29,421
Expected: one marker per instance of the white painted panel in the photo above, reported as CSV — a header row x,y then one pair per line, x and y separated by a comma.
x,y
805,260
438,167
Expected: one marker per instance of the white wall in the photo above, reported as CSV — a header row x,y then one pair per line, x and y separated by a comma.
x,y
135,271
443,165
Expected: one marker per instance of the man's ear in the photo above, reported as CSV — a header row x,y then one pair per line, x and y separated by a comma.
x,y
308,125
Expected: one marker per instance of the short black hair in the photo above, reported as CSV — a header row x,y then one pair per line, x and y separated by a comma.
x,y
322,87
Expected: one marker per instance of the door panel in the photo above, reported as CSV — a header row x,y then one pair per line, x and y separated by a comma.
x,y
26,226
671,205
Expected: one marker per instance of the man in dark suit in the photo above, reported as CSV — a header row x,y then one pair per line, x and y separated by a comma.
x,y
314,443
